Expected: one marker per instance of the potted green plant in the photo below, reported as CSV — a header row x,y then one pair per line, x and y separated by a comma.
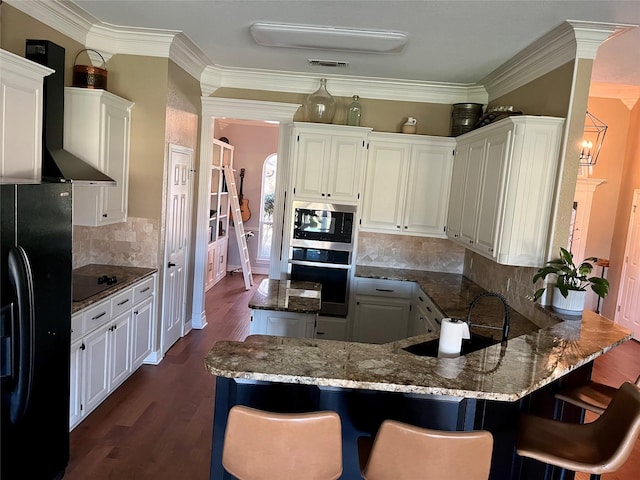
x,y
570,289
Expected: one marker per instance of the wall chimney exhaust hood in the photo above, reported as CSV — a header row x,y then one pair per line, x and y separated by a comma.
x,y
57,163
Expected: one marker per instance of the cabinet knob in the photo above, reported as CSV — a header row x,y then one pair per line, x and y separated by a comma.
x,y
397,226
104,215
328,194
405,227
171,264
322,194
83,347
455,235
471,241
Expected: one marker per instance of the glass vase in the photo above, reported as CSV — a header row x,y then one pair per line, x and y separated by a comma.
x,y
320,105
354,112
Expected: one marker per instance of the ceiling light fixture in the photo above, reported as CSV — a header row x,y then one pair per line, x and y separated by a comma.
x,y
327,38
594,132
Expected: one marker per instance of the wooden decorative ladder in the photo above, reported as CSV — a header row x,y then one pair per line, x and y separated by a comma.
x,y
239,227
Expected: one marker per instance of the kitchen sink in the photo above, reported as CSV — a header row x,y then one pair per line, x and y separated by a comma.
x,y
430,348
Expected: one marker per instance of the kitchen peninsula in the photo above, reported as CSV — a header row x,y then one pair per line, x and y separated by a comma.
x,y
368,383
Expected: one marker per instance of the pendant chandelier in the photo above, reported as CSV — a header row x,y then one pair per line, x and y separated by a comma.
x,y
594,132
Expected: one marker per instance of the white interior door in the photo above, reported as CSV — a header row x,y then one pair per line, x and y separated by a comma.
x,y
628,311
176,245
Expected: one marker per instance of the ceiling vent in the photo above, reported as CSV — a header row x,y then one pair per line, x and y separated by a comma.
x,y
328,63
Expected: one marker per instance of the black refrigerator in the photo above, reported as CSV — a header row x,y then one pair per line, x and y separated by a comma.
x,y
35,328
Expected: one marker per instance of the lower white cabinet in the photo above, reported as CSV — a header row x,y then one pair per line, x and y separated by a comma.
x,y
283,324
109,341
332,328
426,316
381,311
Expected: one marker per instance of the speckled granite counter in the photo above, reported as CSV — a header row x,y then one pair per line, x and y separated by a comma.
x,y
452,293
287,296
503,372
126,276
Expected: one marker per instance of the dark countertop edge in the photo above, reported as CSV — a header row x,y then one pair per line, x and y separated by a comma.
x,y
282,309
141,273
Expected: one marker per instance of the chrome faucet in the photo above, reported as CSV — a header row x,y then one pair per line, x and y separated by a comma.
x,y
507,316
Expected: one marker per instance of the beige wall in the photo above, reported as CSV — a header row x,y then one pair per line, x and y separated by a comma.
x,y
381,115
630,181
16,27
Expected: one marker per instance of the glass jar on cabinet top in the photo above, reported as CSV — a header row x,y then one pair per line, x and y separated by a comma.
x,y
354,112
320,106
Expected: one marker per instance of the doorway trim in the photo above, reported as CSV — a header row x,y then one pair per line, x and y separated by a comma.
x,y
212,108
631,234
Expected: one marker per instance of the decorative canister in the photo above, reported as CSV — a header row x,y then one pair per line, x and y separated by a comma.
x,y
464,117
88,76
410,126
320,106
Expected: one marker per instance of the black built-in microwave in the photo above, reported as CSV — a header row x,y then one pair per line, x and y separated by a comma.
x,y
323,222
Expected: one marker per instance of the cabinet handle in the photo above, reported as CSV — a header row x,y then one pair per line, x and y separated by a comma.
x,y
83,346
104,215
221,258
123,302
99,315
420,298
397,226
145,290
384,290
136,312
455,235
471,241
428,309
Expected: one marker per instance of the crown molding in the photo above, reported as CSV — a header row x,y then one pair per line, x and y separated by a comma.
x,y
248,109
15,63
215,77
570,40
627,94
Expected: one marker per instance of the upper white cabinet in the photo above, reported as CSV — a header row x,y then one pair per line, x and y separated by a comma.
x,y
502,189
407,184
21,118
97,129
328,162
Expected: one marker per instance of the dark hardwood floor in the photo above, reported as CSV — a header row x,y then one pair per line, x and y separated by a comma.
x,y
158,424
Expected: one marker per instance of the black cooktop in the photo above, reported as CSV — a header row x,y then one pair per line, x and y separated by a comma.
x,y
85,286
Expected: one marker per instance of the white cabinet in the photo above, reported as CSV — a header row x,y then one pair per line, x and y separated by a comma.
x,y
283,324
407,184
97,129
502,189
332,328
328,162
381,311
210,270
426,316
21,119
109,341
220,259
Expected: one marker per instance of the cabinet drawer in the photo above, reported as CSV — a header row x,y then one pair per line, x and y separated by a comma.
x,y
77,326
143,290
96,316
384,288
122,302
423,302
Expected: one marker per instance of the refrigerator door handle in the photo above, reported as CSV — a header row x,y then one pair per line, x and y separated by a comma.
x,y
21,278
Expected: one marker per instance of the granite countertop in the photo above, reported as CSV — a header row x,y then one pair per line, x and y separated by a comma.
x,y
503,372
127,276
287,296
452,293
531,359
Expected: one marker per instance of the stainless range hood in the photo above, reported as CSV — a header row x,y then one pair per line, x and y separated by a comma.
x,y
57,163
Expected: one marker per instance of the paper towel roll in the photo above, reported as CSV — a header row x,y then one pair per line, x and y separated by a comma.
x,y
452,331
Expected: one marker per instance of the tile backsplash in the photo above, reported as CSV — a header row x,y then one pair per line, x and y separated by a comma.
x,y
132,243
403,251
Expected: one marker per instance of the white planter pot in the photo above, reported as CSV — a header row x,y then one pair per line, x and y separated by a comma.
x,y
572,305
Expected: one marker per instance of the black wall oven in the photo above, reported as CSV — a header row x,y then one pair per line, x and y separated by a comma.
x,y
320,251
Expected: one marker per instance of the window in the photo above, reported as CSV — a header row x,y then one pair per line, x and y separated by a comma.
x,y
267,203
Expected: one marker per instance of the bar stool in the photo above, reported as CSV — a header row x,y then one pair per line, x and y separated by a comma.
x,y
592,396
598,447
406,452
261,445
